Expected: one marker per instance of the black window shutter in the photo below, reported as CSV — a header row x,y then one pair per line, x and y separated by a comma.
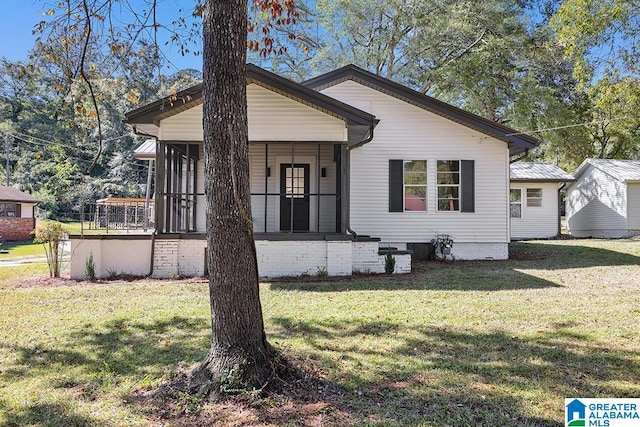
x,y
395,185
468,186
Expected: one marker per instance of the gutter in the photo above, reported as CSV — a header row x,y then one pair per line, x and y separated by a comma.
x,y
364,141
349,148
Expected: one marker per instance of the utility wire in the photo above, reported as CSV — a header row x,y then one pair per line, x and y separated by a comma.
x,y
24,135
134,166
616,119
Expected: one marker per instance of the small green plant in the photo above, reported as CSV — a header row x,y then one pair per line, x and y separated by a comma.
x,y
389,262
90,268
322,272
112,273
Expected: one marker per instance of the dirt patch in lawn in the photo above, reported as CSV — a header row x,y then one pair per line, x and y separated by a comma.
x,y
309,400
46,281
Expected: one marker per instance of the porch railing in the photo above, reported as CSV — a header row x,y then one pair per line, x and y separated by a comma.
x,y
123,216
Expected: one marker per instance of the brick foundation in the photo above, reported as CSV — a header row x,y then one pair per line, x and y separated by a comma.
x,y
12,229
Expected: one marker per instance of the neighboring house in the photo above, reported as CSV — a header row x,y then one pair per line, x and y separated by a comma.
x,y
535,199
17,220
605,199
341,167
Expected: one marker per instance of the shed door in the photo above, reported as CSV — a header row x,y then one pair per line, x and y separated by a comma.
x,y
294,197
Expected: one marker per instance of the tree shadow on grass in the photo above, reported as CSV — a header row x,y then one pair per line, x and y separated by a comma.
x,y
91,359
49,414
433,275
456,377
474,275
560,255
359,372
121,347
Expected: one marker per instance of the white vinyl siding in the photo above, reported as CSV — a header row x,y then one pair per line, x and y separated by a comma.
x,y
633,205
409,132
271,117
536,222
596,205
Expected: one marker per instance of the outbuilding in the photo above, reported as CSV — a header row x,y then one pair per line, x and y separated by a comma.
x,y
604,201
534,199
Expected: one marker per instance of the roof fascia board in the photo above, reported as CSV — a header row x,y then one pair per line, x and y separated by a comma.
x,y
351,72
540,180
163,108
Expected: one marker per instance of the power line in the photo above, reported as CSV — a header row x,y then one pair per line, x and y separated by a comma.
x,y
24,135
139,168
616,119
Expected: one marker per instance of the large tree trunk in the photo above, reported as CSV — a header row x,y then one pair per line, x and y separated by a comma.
x,y
240,357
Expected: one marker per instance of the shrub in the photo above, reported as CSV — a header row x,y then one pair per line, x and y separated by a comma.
x,y
90,268
51,234
389,262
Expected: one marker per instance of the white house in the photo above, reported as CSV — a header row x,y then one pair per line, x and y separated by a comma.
x,y
535,199
341,167
605,199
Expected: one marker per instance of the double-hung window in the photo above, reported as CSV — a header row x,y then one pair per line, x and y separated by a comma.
x,y
534,197
448,181
454,185
415,185
515,202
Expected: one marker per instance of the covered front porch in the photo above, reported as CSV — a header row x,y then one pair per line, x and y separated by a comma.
x,y
296,187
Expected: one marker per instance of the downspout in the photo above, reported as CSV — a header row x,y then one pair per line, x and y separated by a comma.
x,y
349,148
364,141
526,153
153,247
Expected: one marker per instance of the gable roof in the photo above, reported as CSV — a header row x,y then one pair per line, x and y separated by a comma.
x,y
622,170
518,142
360,123
538,172
11,194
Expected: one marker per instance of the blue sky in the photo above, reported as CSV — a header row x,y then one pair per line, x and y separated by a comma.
x,y
18,17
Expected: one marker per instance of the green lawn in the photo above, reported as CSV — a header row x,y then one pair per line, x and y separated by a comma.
x,y
492,343
23,249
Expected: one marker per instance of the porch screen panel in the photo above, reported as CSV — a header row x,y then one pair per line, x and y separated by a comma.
x,y
286,175
179,189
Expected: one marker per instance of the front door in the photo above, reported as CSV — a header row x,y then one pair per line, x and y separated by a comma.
x,y
294,197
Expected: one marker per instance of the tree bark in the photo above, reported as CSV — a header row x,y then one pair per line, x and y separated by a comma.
x,y
240,357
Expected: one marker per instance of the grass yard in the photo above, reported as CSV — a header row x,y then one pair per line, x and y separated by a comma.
x,y
492,343
22,249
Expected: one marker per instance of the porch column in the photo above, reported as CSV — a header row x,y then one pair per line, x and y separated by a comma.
x,y
343,190
160,187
